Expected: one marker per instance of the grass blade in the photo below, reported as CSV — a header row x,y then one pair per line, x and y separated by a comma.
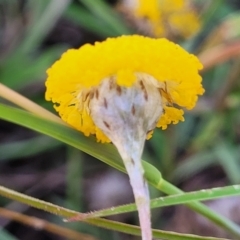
x,y
108,154
201,195
66,213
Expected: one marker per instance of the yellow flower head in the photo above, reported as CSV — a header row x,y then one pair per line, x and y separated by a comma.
x,y
166,17
148,65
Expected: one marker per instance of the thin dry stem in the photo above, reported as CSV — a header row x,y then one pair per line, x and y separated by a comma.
x,y
219,54
27,104
40,224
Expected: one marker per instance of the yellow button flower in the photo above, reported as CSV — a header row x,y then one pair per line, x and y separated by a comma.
x,y
164,17
73,79
120,90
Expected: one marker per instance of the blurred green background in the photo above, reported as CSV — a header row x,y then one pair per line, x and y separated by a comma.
x,y
202,152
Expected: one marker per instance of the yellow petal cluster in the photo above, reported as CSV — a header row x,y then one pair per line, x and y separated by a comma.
x,y
71,78
168,17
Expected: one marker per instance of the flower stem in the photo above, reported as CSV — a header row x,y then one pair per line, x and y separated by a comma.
x,y
141,195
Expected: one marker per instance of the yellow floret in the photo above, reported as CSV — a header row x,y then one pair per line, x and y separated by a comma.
x,y
168,17
79,70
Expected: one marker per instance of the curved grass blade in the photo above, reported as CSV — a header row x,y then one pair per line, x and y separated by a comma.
x,y
108,15
84,18
108,154
113,225
24,148
201,195
104,152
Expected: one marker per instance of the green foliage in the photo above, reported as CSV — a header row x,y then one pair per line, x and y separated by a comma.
x,y
208,139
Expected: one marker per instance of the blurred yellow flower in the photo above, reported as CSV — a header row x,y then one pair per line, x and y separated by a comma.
x,y
123,63
165,17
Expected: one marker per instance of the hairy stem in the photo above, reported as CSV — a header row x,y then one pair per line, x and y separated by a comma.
x,y
141,195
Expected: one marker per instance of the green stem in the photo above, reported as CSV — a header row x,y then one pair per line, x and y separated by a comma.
x,y
126,228
198,207
33,202
172,200
108,155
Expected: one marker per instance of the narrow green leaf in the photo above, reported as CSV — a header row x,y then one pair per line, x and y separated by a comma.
x,y
104,152
39,29
74,171
181,198
66,213
229,160
21,69
85,19
4,235
26,148
193,165
108,154
107,14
